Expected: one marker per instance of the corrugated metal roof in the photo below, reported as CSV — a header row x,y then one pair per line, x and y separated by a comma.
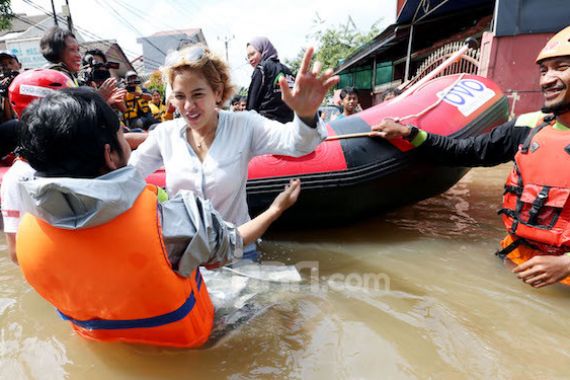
x,y
415,10
385,40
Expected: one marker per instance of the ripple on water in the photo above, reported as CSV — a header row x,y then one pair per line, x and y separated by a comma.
x,y
29,357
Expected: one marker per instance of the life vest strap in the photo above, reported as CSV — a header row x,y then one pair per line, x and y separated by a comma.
x,y
159,320
537,204
519,204
526,145
515,217
502,253
513,190
199,279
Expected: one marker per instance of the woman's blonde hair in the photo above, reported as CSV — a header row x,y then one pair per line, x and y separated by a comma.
x,y
199,58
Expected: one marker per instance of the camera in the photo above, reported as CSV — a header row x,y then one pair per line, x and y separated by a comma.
x,y
6,78
131,85
98,72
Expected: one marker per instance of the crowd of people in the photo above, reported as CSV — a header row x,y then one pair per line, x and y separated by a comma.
x,y
76,184
76,187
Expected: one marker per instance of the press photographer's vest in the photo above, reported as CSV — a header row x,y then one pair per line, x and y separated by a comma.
x,y
136,107
536,205
114,282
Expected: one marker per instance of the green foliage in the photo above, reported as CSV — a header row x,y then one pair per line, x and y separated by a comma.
x,y
335,43
242,91
295,63
155,83
6,14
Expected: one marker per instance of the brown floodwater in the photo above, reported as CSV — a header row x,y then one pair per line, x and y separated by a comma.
x,y
416,293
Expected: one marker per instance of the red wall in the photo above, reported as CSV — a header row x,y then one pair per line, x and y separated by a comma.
x,y
510,62
399,6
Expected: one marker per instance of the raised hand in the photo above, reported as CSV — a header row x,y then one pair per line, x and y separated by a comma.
x,y
107,87
310,87
117,96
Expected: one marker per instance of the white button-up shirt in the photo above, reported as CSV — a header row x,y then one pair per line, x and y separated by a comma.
x,y
222,176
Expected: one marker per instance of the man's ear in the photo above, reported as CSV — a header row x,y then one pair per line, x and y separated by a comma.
x,y
110,158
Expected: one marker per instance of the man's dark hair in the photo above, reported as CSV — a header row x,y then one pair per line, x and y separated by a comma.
x,y
65,133
348,91
391,91
236,99
93,52
52,43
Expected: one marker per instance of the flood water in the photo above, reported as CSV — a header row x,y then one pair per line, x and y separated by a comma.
x,y
414,294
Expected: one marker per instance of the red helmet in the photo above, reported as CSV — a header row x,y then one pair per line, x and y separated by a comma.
x,y
33,84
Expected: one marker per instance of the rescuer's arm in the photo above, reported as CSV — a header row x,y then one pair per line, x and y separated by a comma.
x,y
495,147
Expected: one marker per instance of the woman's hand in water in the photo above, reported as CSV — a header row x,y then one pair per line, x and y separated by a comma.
x,y
287,197
310,88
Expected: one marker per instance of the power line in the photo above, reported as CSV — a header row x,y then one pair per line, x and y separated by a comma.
x,y
146,17
220,28
133,28
83,30
149,20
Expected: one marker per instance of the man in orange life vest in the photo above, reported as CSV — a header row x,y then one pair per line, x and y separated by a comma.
x,y
536,202
99,245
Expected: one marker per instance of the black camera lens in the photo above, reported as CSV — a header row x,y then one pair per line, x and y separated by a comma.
x,y
101,75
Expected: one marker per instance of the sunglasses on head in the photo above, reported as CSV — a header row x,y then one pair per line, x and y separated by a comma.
x,y
193,54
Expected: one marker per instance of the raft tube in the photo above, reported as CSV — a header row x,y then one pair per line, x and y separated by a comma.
x,y
349,179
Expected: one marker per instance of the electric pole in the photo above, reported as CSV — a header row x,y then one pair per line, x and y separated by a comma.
x,y
227,40
54,14
67,13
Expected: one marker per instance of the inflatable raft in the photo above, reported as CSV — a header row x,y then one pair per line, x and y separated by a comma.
x,y
347,179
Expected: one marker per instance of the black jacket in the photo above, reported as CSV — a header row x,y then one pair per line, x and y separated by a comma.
x,y
264,94
490,149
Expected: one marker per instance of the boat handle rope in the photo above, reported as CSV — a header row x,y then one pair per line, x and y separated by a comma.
x,y
400,119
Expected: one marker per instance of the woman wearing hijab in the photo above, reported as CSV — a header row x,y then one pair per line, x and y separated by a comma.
x,y
264,94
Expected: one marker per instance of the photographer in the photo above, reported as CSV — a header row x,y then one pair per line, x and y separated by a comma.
x,y
138,114
95,73
9,69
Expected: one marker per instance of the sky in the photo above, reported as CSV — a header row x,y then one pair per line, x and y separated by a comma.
x,y
287,23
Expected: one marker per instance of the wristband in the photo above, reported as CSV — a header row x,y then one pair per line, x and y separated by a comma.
x,y
413,133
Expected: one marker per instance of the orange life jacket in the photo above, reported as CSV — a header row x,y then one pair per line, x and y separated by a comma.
x,y
114,281
536,207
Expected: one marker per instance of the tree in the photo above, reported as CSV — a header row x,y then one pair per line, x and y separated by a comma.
x,y
155,82
335,43
6,14
295,63
242,91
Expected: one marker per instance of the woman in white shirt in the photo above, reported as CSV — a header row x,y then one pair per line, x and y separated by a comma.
x,y
207,150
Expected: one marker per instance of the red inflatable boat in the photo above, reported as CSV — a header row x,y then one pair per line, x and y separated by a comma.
x,y
348,178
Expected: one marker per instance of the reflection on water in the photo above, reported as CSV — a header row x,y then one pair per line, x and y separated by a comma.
x,y
416,293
